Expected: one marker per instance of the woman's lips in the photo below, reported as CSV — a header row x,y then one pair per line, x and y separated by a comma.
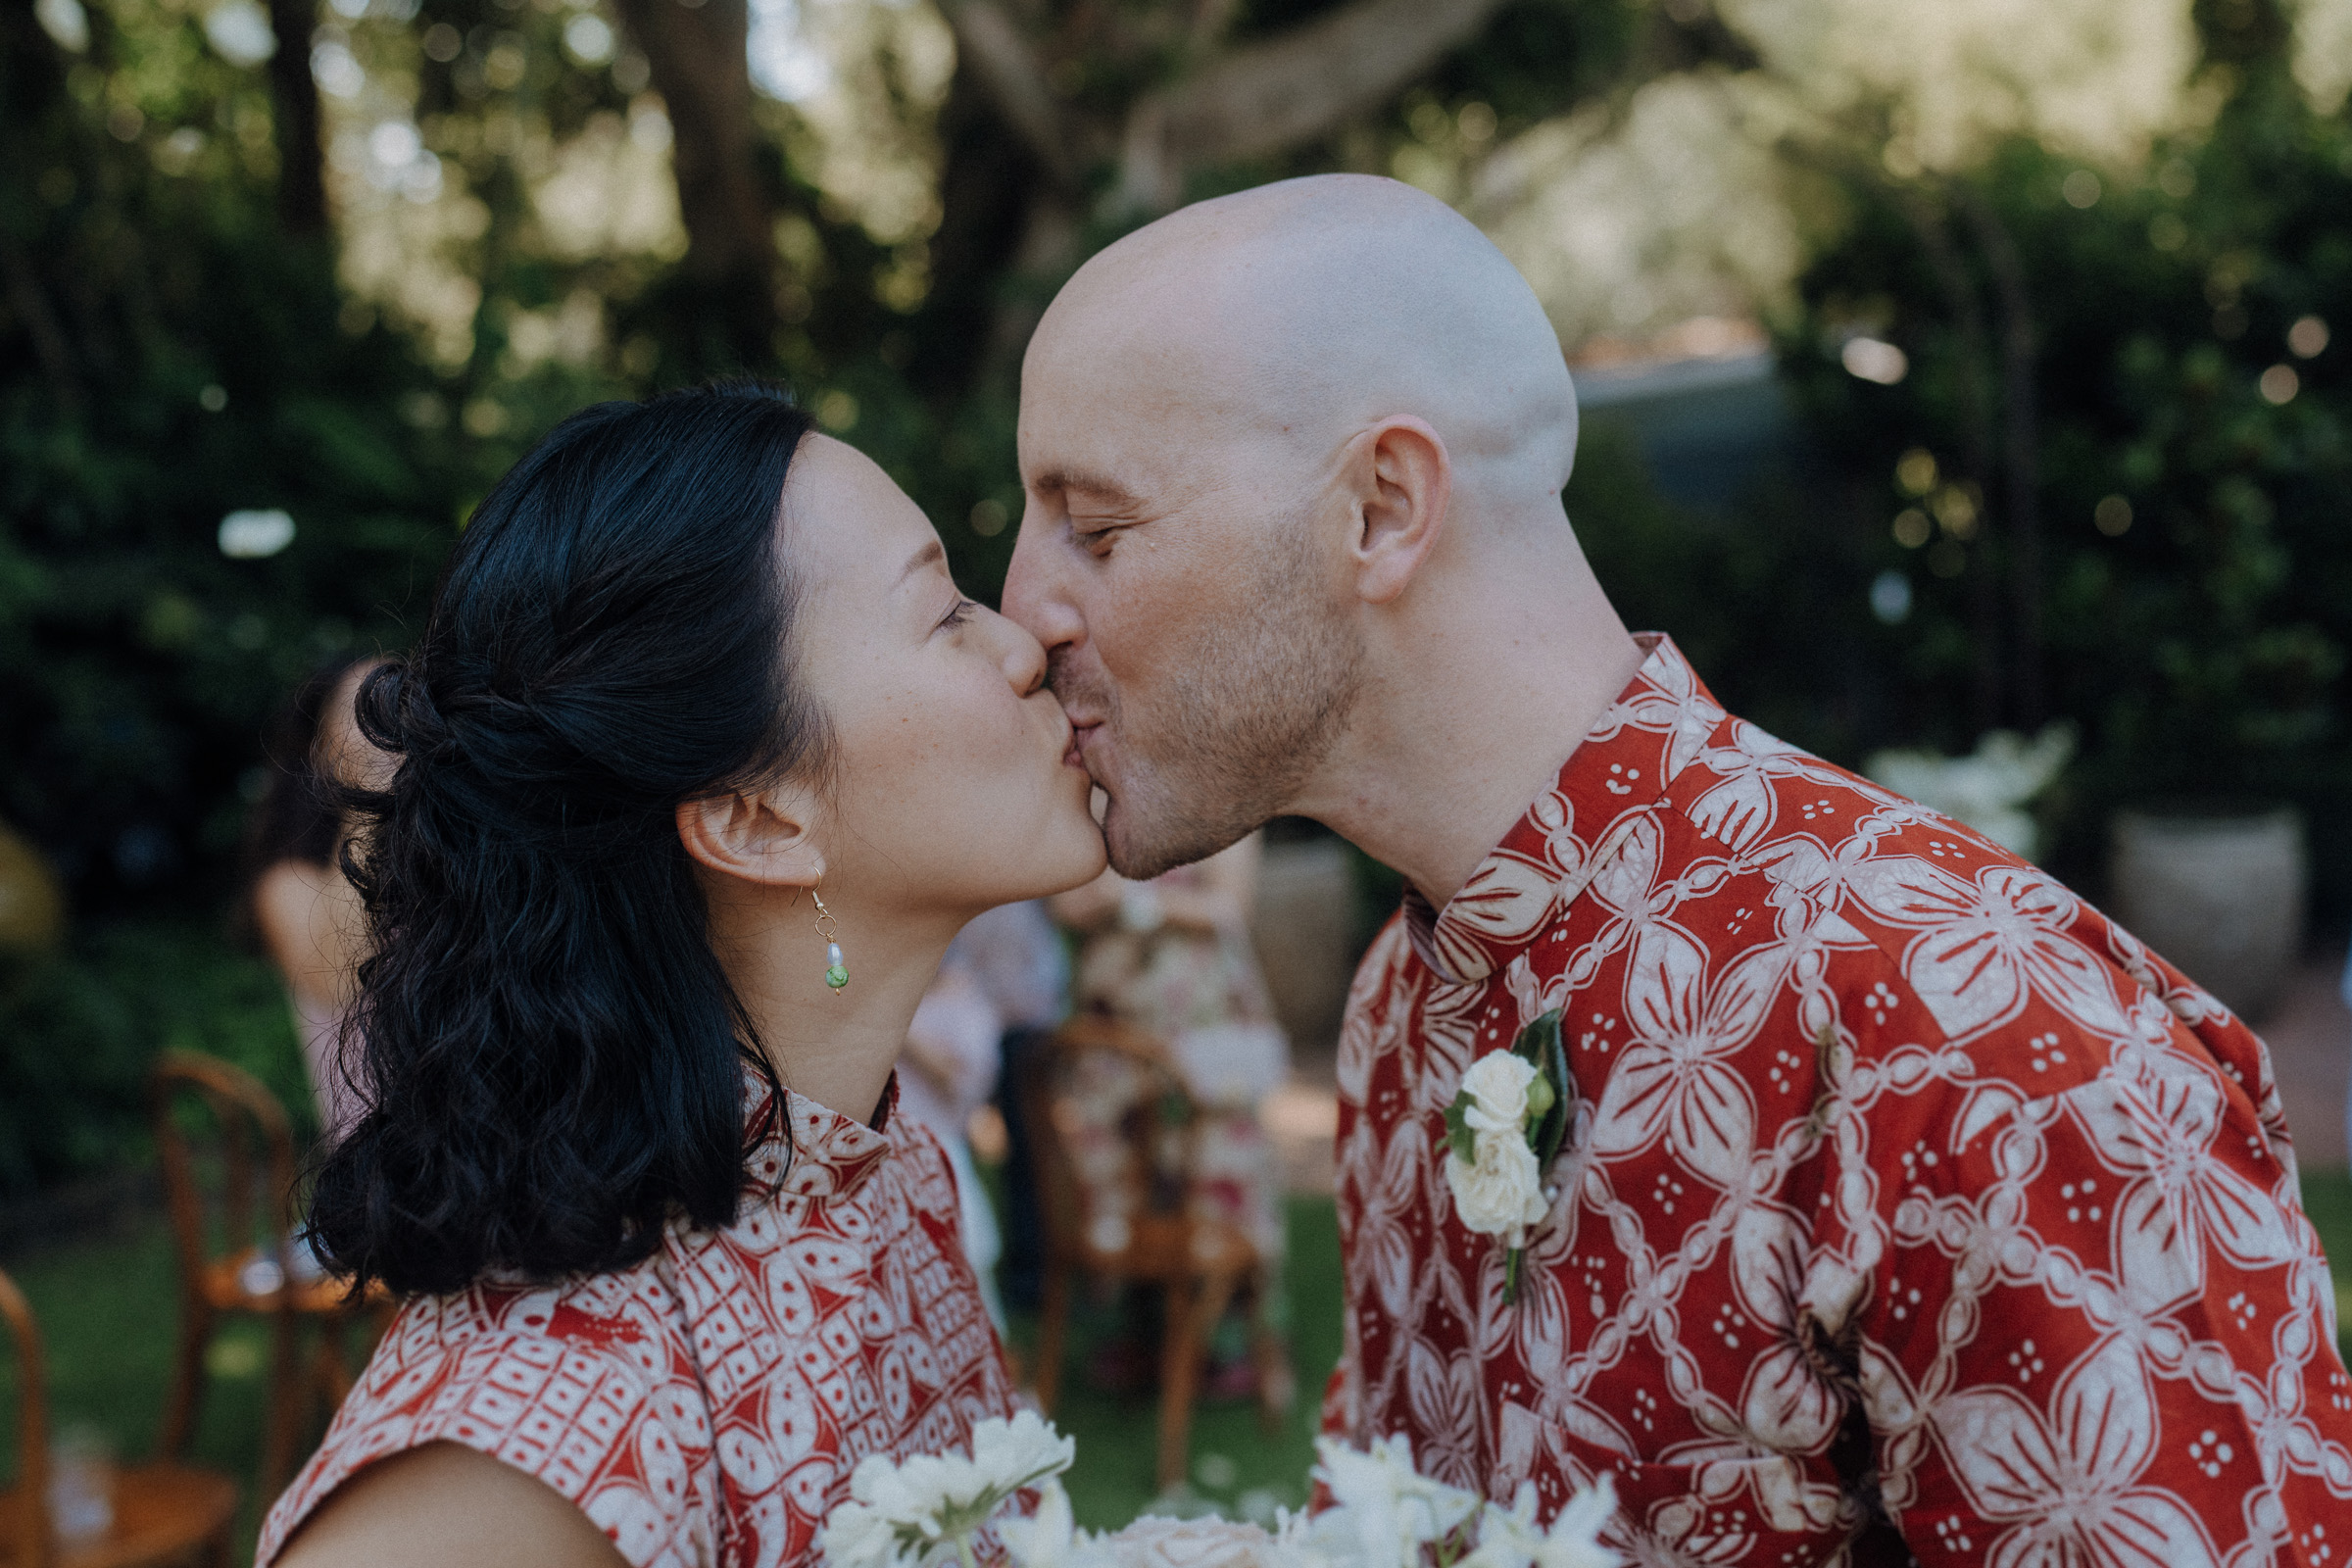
x,y
1075,756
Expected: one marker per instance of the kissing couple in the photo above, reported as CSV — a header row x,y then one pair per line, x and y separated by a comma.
x,y
1832,1183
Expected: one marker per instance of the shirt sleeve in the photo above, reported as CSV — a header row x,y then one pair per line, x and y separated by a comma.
x,y
586,1412
2102,1328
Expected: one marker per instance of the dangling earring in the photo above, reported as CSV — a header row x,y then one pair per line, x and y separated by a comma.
x,y
836,973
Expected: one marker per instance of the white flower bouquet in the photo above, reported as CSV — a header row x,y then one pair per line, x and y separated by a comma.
x,y
929,1510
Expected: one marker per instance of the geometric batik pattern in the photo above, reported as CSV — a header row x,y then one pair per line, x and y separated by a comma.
x,y
707,1404
1906,1202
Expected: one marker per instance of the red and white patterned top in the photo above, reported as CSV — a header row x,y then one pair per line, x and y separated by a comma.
x,y
707,1405
1906,1201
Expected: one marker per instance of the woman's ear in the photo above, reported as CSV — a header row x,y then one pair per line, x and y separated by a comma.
x,y
1403,482
763,837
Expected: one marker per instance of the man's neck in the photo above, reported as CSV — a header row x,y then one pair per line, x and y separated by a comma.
x,y
1467,717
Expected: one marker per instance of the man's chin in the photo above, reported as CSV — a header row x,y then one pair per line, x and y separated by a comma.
x,y
1142,847
1133,854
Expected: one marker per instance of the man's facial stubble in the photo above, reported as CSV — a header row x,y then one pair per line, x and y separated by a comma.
x,y
1243,712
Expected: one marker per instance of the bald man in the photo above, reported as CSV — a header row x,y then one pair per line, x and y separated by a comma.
x,y
1902,1204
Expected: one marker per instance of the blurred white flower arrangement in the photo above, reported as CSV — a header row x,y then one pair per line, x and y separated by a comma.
x,y
1986,790
928,1510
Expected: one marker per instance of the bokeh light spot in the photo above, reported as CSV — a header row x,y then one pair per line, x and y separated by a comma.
x,y
1871,359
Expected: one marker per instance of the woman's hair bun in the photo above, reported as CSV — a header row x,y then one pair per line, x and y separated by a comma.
x,y
395,710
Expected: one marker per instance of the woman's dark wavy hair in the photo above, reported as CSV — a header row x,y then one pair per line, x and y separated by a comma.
x,y
553,1058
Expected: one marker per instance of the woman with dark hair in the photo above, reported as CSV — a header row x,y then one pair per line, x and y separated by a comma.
x,y
702,763
305,912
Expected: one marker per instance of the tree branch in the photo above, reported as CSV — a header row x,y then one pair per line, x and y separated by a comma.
x,y
2021,459
991,43
1267,97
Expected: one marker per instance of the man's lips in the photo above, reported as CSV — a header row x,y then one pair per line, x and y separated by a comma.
x,y
1080,733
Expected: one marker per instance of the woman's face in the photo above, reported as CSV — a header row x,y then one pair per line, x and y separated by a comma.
x,y
957,786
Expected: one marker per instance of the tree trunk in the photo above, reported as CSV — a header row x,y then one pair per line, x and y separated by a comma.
x,y
986,179
294,97
700,67
1976,446
32,84
2021,459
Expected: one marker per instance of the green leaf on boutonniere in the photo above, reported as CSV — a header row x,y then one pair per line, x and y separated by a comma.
x,y
1458,1135
1538,1045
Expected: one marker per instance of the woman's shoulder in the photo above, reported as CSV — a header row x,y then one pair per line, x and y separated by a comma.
x,y
588,1386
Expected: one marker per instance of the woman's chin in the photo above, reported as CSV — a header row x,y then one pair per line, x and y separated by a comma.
x,y
1089,852
1066,850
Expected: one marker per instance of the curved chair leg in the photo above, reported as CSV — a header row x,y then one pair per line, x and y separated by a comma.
x,y
186,1394
1053,1327
1193,1308
287,1399
1277,1383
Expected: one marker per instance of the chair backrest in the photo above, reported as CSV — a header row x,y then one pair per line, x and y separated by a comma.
x,y
251,1205
1114,1128
35,1544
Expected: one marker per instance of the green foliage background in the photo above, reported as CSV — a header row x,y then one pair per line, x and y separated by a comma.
x,y
211,361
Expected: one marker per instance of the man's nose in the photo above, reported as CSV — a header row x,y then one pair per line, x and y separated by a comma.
x,y
1035,596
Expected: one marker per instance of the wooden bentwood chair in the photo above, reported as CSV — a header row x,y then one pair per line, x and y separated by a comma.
x,y
1117,1209
164,1513
237,1255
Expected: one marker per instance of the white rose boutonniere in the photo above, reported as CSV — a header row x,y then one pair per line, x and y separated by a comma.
x,y
1502,1130
1497,1191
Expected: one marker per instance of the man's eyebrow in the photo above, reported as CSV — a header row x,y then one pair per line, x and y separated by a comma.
x,y
1085,482
929,553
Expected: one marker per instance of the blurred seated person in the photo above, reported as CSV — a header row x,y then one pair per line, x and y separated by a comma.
x,y
304,913
1173,957
953,1049
1017,956
1005,983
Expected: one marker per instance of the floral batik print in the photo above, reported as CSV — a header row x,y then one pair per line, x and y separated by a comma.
x,y
1907,1205
707,1405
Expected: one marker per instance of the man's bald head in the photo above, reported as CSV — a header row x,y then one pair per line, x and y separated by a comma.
x,y
1310,308
1271,443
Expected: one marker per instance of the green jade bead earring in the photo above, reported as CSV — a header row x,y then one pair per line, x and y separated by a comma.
x,y
836,973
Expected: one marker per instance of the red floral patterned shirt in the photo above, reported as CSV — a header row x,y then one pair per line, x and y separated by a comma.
x,y
1906,1202
707,1405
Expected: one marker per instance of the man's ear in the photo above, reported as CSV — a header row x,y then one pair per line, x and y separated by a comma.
x,y
762,838
1403,481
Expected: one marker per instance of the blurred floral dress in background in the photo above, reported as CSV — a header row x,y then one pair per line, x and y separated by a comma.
x,y
1173,957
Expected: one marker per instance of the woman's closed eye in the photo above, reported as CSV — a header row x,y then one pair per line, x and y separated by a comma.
x,y
962,612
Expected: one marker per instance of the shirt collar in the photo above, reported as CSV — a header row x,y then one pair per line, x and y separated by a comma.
x,y
817,1153
1617,775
